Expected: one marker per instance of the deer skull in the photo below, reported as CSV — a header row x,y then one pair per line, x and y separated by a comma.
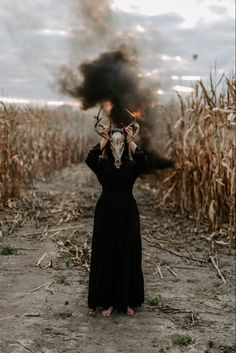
x,y
117,144
117,138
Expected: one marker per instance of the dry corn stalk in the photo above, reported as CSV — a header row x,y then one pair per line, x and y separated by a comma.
x,y
203,144
34,142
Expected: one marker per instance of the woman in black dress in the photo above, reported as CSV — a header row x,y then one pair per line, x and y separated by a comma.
x,y
116,277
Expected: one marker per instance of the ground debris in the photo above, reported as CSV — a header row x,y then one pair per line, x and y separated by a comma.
x,y
43,293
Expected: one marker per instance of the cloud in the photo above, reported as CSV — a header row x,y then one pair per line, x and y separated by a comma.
x,y
32,45
218,10
164,37
37,37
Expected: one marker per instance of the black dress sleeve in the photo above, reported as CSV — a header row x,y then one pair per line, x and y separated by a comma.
x,y
92,159
141,161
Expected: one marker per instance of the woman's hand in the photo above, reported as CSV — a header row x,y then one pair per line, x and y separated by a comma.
x,y
129,132
105,130
132,144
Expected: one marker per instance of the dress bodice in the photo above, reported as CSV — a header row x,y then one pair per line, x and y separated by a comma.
x,y
111,178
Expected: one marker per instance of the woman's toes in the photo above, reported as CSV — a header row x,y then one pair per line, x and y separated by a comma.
x,y
130,311
104,313
107,312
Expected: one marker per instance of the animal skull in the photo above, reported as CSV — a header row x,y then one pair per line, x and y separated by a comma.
x,y
117,138
117,144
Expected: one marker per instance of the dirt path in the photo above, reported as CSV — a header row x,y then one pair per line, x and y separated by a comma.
x,y
44,310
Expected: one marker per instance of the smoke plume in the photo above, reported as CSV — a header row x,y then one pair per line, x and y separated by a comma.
x,y
113,77
97,16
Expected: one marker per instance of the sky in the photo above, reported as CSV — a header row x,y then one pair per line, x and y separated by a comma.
x,y
178,42
192,11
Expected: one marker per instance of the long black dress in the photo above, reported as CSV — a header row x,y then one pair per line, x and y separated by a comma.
x,y
116,277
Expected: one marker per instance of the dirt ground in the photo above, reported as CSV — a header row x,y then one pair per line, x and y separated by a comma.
x,y
43,301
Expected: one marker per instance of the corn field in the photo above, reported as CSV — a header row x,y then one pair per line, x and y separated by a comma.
x,y
34,142
203,143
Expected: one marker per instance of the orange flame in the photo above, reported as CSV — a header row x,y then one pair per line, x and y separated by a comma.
x,y
137,114
108,105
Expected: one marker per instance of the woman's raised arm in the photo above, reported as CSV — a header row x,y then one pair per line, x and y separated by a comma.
x,y
141,160
92,159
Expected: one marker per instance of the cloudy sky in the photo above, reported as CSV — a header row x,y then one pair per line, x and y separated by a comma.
x,y
177,41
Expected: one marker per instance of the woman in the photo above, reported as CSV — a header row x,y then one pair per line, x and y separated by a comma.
x,y
116,277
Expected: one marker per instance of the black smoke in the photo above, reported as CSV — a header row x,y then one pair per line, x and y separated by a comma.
x,y
96,15
113,76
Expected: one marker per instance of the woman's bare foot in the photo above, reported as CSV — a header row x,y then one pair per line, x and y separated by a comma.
x,y
107,312
130,311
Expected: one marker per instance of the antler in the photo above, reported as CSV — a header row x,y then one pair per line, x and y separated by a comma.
x,y
133,124
97,125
